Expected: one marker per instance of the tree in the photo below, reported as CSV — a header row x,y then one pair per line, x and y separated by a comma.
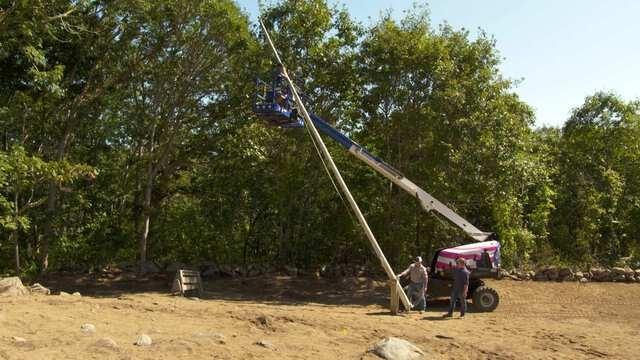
x,y
183,59
21,181
596,216
436,107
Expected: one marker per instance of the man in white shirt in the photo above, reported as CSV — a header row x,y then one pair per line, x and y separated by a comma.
x,y
417,289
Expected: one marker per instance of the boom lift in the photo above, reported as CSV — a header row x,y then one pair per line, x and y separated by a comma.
x,y
274,104
280,104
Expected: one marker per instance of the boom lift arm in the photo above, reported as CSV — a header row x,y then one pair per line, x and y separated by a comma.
x,y
284,114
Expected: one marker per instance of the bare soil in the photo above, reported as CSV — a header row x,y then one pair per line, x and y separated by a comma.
x,y
313,319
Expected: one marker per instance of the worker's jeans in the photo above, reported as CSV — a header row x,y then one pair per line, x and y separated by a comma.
x,y
416,295
457,295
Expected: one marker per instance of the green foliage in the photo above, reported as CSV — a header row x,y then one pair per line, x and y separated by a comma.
x,y
127,133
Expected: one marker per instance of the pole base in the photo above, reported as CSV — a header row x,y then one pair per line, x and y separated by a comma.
x,y
394,305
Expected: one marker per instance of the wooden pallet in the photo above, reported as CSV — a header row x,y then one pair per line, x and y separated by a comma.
x,y
189,280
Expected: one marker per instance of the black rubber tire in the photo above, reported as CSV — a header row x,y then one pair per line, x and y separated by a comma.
x,y
485,299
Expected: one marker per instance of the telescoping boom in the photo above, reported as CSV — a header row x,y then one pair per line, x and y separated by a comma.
x,y
273,103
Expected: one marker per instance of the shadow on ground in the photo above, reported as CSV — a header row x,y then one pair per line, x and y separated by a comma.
x,y
262,289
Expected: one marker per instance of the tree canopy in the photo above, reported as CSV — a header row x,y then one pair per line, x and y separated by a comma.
x,y
128,136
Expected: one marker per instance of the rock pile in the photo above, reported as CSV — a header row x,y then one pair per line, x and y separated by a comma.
x,y
555,273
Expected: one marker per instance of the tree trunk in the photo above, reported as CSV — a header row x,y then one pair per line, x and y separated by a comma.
x,y
52,198
14,237
146,218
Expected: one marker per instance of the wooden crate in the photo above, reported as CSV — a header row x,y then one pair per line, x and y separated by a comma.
x,y
189,280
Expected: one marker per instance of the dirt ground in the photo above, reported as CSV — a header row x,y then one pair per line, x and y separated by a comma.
x,y
314,319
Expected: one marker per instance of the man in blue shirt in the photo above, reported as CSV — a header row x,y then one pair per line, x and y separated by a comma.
x,y
460,288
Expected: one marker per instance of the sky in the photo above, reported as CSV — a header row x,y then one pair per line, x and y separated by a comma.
x,y
562,51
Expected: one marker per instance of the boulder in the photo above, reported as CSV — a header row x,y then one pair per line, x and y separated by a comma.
x,y
39,289
565,273
600,274
253,271
579,275
88,328
150,267
266,344
504,274
217,337
637,272
392,348
583,280
552,274
540,276
226,270
619,278
619,271
143,340
291,270
12,286
531,275
106,343
173,267
209,271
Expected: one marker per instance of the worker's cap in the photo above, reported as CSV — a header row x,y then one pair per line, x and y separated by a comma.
x,y
418,259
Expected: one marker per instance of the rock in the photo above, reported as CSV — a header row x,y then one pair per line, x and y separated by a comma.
x,y
226,270
392,348
631,278
583,280
619,278
618,270
637,272
504,274
217,337
208,271
106,343
126,265
19,339
175,286
579,275
39,289
600,274
77,294
62,293
150,267
263,322
540,276
266,344
88,328
512,277
253,271
143,340
291,270
565,274
173,267
552,274
12,286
